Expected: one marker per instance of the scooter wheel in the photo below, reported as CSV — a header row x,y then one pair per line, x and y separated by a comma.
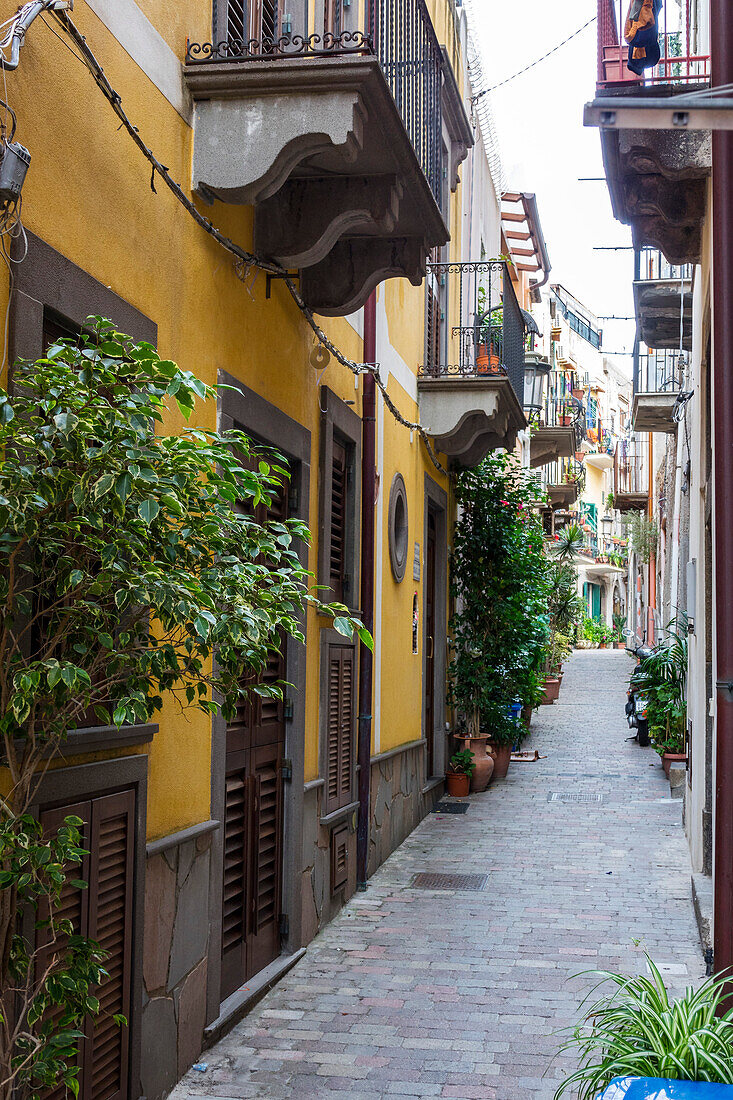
x,y
642,729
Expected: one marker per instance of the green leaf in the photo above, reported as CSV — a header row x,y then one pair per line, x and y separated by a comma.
x,y
343,626
148,509
103,485
123,485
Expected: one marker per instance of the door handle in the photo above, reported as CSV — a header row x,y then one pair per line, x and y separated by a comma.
x,y
429,656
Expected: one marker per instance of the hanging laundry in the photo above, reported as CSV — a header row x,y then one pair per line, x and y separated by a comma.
x,y
642,34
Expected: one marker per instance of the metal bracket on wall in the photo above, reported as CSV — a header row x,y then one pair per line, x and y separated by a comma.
x,y
285,275
725,685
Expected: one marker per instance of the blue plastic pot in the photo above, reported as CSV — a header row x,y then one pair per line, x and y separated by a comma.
x,y
654,1088
515,710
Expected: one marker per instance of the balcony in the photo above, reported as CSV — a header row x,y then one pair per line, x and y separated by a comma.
x,y
599,444
471,385
565,481
631,475
335,139
656,391
557,433
656,178
663,300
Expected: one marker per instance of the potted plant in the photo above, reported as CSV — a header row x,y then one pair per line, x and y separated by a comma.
x,y
662,676
619,623
505,736
499,581
460,770
487,335
638,1030
474,740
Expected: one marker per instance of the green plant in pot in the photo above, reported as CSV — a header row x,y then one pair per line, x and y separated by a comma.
x,y
460,770
499,580
637,1030
663,677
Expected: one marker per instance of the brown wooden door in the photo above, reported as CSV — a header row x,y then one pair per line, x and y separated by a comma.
x,y
253,822
104,913
430,604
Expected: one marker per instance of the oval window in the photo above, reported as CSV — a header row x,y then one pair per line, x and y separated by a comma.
x,y
398,529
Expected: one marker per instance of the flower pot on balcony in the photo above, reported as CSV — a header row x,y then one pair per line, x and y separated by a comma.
x,y
483,359
579,456
565,421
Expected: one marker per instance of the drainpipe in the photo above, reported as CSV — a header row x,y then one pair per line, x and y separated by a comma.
x,y
637,275
721,17
366,661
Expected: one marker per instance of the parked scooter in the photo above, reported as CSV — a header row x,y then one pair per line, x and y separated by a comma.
x,y
636,704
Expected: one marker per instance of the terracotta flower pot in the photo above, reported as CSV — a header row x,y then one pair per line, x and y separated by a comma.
x,y
670,758
552,690
620,645
458,785
483,359
602,645
483,763
502,756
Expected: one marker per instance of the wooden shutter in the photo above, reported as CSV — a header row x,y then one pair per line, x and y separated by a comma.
x,y
340,727
337,560
235,892
104,913
332,17
267,834
110,924
339,857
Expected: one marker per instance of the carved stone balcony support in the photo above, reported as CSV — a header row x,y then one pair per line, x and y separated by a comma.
x,y
468,417
549,443
318,146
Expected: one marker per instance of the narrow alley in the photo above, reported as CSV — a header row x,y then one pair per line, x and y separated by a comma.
x,y
422,993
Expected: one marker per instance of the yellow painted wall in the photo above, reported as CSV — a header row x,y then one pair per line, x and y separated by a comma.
x,y
88,195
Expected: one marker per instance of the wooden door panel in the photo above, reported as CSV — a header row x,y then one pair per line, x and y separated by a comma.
x,y
264,940
235,884
110,923
430,620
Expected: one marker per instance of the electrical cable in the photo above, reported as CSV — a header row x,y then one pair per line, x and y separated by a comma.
x,y
533,63
242,255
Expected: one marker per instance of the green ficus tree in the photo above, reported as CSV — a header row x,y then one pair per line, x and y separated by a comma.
x,y
134,565
499,581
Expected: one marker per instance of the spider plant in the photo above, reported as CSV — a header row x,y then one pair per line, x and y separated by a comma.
x,y
638,1031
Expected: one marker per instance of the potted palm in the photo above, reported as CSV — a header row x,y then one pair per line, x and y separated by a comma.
x,y
619,623
662,676
460,770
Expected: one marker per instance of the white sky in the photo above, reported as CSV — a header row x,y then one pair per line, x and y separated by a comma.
x,y
545,148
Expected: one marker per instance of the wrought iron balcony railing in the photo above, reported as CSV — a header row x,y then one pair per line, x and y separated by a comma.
x,y
489,340
631,466
685,59
400,34
660,371
655,267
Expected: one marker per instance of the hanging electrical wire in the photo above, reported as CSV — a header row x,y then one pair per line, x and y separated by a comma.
x,y
242,256
532,64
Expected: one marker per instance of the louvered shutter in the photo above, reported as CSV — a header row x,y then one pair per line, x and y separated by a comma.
x,y
110,924
235,891
340,727
337,561
73,905
104,913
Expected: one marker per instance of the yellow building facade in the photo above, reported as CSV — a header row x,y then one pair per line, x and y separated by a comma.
x,y
346,165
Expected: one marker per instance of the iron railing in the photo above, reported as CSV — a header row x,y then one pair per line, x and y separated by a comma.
x,y
562,406
660,371
400,33
631,466
564,471
490,336
685,57
654,266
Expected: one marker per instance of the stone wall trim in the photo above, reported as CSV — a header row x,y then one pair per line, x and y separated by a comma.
x,y
390,753
164,843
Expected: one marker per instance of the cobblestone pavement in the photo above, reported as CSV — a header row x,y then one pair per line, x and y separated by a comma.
x,y
419,993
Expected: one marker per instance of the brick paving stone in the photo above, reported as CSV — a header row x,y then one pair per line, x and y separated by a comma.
x,y
422,993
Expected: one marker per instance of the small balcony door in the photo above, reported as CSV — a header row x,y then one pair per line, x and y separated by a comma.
x,y
256,21
332,17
